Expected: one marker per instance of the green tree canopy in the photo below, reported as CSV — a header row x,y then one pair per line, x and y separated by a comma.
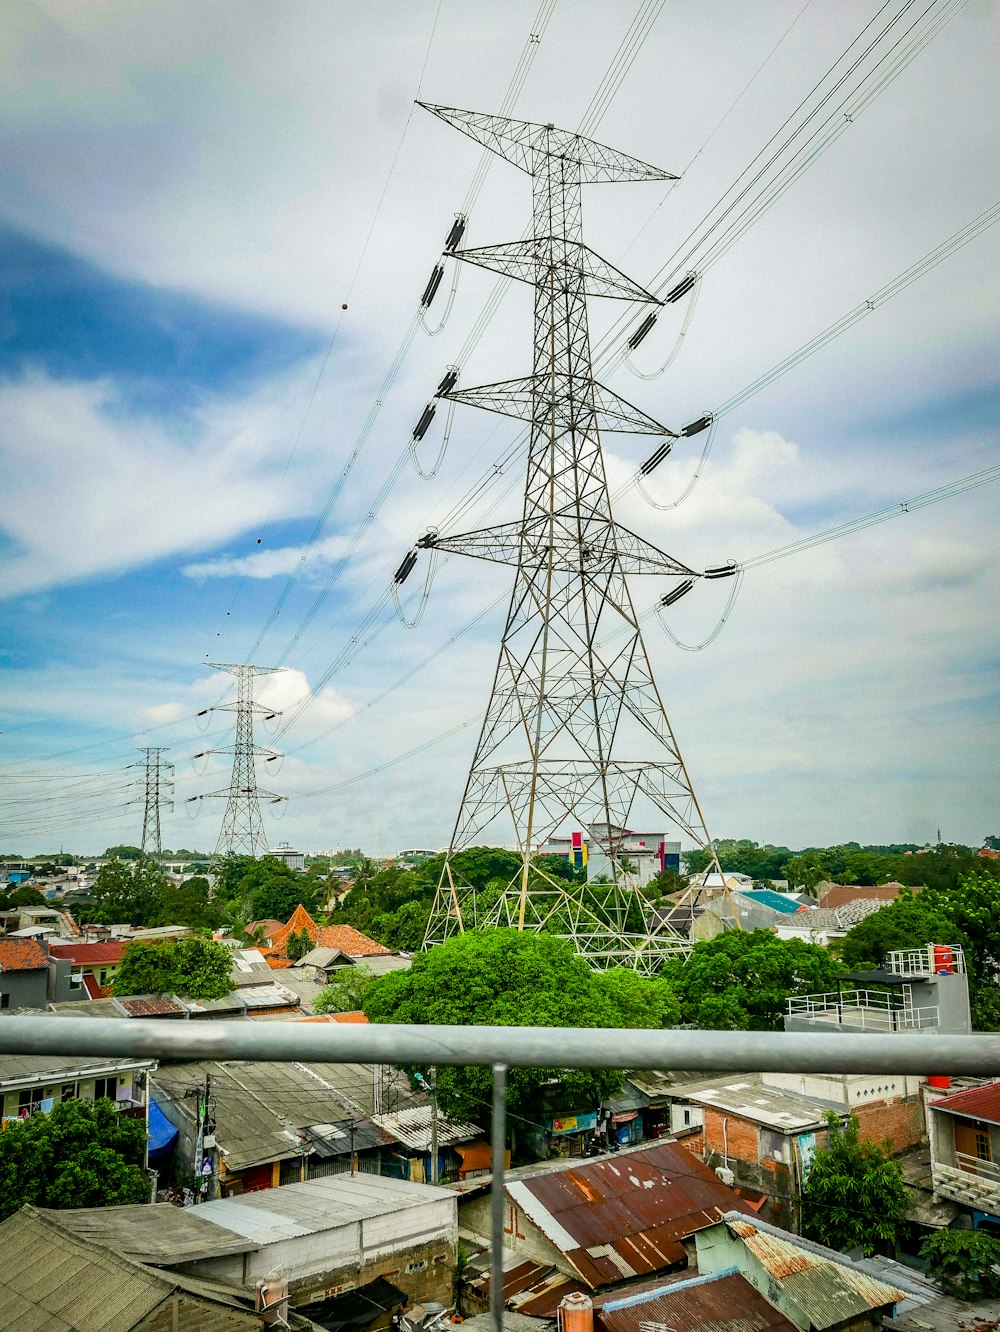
x,y
908,922
509,978
298,945
741,980
854,1196
265,889
128,891
197,968
82,1154
346,991
965,1263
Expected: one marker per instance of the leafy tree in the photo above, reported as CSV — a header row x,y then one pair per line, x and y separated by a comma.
x,y
908,922
971,907
298,945
346,992
404,928
198,968
510,978
25,896
189,903
666,883
741,980
82,1154
265,889
805,870
964,1263
131,892
855,1196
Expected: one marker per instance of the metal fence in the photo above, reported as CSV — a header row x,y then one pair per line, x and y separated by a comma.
x,y
503,1048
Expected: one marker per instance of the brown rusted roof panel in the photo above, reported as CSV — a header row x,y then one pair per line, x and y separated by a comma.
x,y
624,1216
719,1304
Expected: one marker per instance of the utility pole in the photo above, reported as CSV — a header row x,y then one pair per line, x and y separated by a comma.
x,y
158,790
573,692
432,1088
242,831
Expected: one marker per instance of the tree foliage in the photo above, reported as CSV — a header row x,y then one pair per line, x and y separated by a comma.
x,y
508,978
265,889
82,1154
908,922
197,968
741,980
854,1196
346,991
298,945
964,1263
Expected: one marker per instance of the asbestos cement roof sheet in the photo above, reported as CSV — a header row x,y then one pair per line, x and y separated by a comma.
x,y
720,1302
826,1291
155,1233
625,1215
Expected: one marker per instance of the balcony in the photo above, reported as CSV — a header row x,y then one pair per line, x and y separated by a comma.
x,y
868,1010
972,1182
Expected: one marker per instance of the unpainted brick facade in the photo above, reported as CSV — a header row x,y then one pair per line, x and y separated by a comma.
x,y
423,1271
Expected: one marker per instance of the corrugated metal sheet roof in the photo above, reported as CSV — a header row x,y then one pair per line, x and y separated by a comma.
x,y
719,1302
260,1108
90,954
827,1292
624,1216
412,1128
975,1102
155,1233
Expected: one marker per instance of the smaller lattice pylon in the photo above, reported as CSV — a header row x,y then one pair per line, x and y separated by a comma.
x,y
242,831
157,794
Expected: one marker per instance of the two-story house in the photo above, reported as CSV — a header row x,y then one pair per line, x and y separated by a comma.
x,y
964,1134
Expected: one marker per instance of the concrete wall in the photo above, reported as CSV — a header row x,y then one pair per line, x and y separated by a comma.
x,y
520,1234
25,989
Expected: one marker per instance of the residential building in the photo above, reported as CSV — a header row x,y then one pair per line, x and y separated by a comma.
x,y
349,941
55,1281
964,1134
24,974
609,1219
35,1083
325,1237
95,963
815,1288
922,989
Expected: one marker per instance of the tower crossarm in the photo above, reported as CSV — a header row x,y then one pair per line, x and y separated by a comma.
x,y
518,142
546,542
531,260
585,405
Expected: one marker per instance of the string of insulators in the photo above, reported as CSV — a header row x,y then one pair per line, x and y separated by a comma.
x,y
456,233
654,459
696,427
426,417
681,590
448,383
430,291
682,288
722,570
406,568
644,328
427,541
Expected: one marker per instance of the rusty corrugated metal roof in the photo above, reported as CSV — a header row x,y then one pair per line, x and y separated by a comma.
x,y
624,1216
825,1290
721,1302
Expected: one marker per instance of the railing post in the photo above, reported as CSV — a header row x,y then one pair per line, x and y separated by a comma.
x,y
497,1195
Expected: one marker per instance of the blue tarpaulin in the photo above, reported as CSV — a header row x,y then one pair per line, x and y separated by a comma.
x,y
162,1134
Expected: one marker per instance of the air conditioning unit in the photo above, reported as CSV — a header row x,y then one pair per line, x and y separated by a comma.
x,y
726,1175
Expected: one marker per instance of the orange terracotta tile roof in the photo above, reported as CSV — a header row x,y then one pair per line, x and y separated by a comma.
x,y
349,1017
345,937
22,955
268,926
843,893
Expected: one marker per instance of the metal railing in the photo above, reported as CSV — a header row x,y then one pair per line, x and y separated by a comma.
x,y
929,961
873,1010
502,1048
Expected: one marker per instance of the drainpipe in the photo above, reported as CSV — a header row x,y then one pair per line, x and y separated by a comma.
x,y
725,1140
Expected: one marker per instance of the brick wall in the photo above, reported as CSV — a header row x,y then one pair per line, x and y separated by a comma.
x,y
902,1122
742,1136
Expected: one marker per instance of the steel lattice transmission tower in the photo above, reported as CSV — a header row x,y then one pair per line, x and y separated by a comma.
x,y
242,830
158,790
573,692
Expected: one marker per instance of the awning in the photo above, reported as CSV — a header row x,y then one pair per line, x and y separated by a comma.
x,y
162,1134
625,1118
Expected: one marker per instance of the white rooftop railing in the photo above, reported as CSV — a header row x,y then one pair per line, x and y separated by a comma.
x,y
932,960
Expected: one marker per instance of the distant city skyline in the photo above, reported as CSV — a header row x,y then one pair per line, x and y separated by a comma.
x,y
203,287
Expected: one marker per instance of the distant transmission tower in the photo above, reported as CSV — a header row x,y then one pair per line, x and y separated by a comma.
x,y
242,830
158,794
573,690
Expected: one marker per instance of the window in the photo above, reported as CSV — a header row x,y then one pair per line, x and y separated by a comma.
x,y
68,1092
4,1001
106,1087
29,1100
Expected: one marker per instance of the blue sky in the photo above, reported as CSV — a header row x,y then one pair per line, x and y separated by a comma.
x,y
190,205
